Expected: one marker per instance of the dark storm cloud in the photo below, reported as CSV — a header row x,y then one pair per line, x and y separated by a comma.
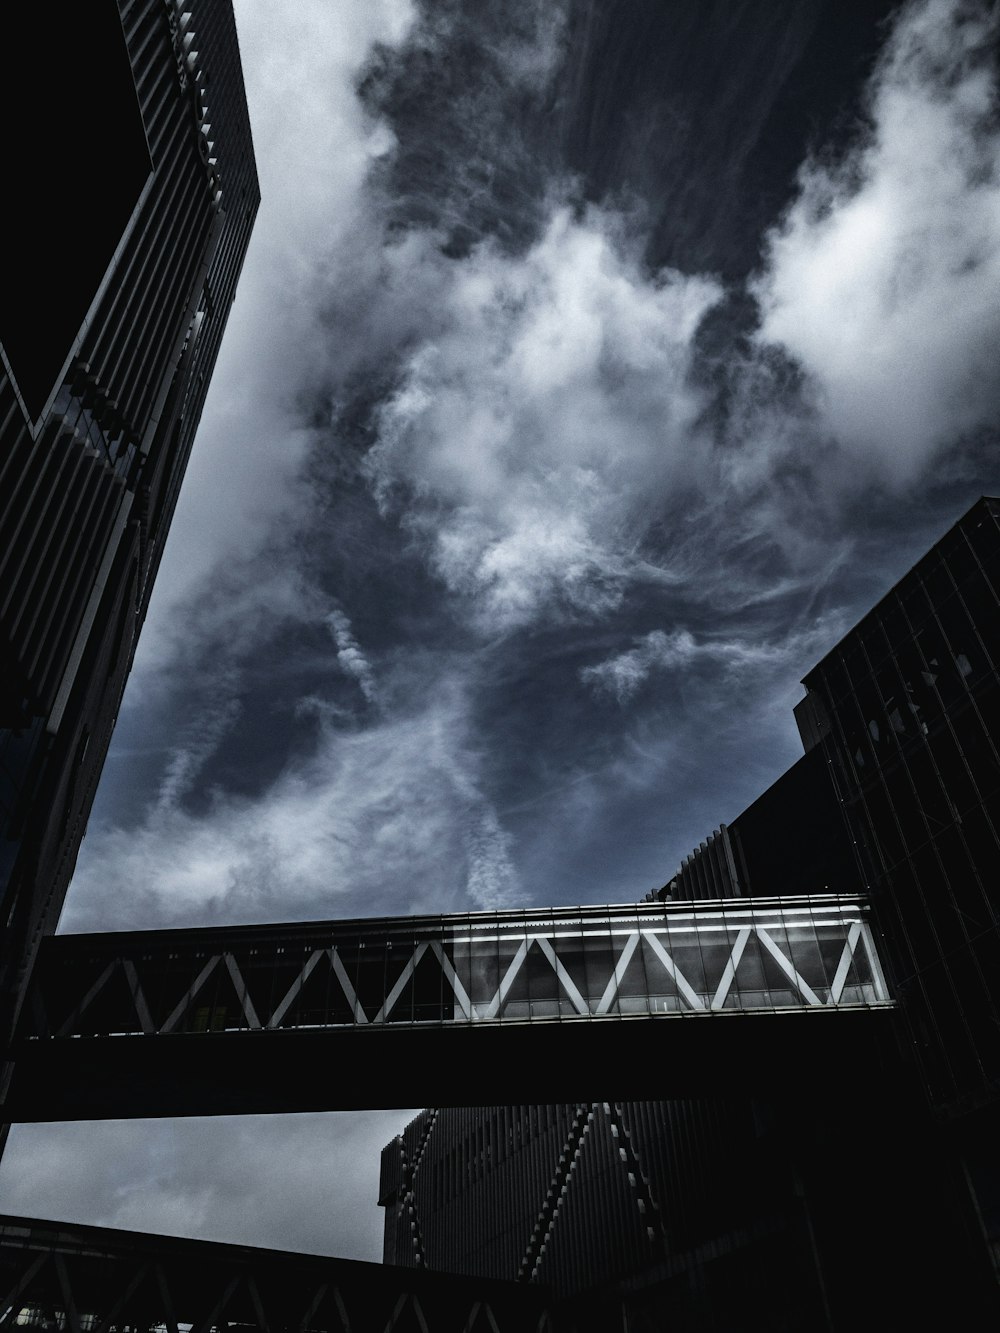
x,y
551,496
591,377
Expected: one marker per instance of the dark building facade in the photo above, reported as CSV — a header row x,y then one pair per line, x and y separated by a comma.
x,y
140,157
724,1214
790,841
906,713
750,1213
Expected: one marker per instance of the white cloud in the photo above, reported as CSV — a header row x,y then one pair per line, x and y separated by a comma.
x,y
623,674
535,435
884,279
350,657
212,632
187,759
748,663
244,484
391,818
492,879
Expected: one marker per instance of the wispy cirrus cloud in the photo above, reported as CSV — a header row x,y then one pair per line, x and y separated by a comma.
x,y
741,662
247,485
390,817
350,657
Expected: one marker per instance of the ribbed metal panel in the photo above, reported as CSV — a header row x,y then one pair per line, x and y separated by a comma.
x,y
87,491
708,872
588,1195
910,706
578,1195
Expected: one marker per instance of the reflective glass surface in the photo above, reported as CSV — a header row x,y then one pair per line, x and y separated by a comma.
x,y
664,959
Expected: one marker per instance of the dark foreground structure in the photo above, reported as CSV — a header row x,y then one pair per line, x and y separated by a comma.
x,y
867,1204
139,158
57,1275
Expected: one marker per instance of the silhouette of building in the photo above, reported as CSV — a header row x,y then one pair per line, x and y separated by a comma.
x,y
139,162
905,712
757,1213
691,1207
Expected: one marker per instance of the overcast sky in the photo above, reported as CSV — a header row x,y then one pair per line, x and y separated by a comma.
x,y
595,366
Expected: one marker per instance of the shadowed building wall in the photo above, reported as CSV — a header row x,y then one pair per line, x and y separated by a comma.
x,y
748,1212
906,712
139,158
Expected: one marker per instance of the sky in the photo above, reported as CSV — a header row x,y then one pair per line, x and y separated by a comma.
x,y
593,369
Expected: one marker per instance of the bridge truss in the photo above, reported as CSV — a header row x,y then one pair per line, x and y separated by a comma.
x,y
249,1018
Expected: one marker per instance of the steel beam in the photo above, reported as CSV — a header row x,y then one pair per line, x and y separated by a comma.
x,y
647,1000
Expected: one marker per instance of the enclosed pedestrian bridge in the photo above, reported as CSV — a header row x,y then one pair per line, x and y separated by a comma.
x,y
662,999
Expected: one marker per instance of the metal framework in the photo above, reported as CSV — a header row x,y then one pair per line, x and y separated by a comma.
x,y
658,959
249,1018
81,1279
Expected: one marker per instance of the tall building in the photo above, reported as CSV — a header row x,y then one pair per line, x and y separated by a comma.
x,y
137,192
747,1213
905,712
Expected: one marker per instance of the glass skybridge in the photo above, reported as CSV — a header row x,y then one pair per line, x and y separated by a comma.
x,y
594,962
97,1001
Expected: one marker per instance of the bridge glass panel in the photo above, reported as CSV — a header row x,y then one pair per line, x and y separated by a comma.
x,y
507,967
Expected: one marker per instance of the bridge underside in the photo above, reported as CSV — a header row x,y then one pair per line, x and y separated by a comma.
x,y
794,1053
639,1002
